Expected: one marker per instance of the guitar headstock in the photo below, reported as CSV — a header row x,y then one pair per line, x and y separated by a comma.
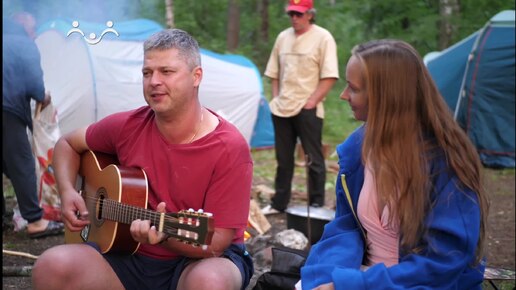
x,y
191,227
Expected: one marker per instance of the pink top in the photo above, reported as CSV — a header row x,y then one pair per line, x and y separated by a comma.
x,y
382,239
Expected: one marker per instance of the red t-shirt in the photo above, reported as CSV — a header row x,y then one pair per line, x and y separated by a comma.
x,y
213,173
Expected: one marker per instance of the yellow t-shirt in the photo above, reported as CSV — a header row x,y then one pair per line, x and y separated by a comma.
x,y
299,62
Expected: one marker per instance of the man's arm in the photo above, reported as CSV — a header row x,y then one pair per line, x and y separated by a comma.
x,y
320,92
66,162
46,101
275,87
221,240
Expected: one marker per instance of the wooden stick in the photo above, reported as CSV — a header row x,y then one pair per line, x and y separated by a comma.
x,y
22,254
17,271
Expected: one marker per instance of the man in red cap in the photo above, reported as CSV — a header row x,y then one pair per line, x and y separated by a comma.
x,y
303,68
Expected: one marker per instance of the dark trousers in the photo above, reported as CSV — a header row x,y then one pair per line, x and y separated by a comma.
x,y
308,127
18,165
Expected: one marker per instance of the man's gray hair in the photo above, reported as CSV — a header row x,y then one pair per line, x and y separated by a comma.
x,y
186,45
313,12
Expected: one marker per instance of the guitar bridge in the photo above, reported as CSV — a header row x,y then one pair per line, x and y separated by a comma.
x,y
85,232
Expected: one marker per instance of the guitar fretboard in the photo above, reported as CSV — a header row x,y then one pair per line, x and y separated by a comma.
x,y
187,226
123,213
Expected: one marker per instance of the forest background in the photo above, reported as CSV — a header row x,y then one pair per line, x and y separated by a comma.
x,y
250,27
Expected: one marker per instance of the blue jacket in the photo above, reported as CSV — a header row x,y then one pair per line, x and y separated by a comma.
x,y
453,228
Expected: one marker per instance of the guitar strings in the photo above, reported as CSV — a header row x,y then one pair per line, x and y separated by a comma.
x,y
142,213
112,209
116,211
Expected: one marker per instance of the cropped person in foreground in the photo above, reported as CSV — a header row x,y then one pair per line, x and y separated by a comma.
x,y
192,158
411,208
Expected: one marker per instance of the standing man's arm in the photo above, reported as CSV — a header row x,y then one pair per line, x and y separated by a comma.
x,y
320,92
46,101
275,87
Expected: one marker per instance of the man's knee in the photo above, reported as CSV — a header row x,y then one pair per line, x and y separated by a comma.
x,y
212,273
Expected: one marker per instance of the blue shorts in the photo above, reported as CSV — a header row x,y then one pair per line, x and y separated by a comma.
x,y
140,272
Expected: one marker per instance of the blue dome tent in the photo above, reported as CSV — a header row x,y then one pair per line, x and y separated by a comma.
x,y
477,79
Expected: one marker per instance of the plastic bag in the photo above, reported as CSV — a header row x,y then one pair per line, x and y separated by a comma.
x,y
19,222
45,134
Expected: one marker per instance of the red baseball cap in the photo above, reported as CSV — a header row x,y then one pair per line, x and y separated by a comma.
x,y
300,5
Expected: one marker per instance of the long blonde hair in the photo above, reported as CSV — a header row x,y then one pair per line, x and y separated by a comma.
x,y
405,108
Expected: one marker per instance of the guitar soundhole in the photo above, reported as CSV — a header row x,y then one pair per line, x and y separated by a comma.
x,y
101,196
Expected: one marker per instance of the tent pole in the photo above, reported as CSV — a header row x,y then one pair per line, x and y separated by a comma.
x,y
462,93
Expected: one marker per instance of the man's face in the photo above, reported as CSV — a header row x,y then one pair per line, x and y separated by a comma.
x,y
299,21
168,81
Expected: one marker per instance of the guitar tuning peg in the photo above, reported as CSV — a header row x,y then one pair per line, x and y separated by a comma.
x,y
204,247
191,210
208,214
200,211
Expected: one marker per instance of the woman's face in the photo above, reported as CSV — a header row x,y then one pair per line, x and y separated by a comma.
x,y
355,90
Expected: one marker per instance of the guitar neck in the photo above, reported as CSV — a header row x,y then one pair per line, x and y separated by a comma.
x,y
126,214
188,226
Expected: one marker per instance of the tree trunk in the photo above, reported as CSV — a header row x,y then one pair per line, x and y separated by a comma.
x,y
233,25
448,10
263,10
169,10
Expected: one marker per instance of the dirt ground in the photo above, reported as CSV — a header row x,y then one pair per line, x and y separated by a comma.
x,y
500,244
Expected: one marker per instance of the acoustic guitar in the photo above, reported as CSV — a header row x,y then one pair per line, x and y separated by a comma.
x,y
116,196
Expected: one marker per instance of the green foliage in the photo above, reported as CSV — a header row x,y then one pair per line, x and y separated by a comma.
x,y
504,285
497,176
207,22
153,9
475,13
9,191
350,22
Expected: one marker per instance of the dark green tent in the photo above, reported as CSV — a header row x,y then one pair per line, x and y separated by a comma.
x,y
477,78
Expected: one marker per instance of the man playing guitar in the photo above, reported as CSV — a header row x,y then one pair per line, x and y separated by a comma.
x,y
190,157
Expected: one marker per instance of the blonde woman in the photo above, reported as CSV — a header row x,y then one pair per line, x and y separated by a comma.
x,y
411,209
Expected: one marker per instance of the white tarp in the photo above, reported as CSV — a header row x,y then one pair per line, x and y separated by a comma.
x,y
88,82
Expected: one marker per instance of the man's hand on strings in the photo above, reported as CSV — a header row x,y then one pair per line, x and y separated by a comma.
x,y
143,232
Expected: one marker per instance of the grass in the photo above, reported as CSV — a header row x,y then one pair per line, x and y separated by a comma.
x,y
8,191
497,174
504,285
